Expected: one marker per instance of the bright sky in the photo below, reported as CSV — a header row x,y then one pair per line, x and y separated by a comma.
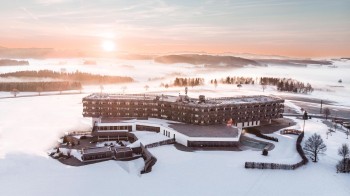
x,y
305,28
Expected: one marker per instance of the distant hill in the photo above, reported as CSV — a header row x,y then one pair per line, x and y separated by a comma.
x,y
24,52
293,62
9,62
208,60
90,62
39,53
135,56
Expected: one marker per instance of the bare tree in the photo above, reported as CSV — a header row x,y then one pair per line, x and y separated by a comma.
x,y
60,88
347,126
327,112
15,92
80,89
146,87
39,90
344,152
124,89
101,89
314,146
215,83
69,151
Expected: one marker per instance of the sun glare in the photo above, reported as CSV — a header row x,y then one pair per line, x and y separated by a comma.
x,y
108,46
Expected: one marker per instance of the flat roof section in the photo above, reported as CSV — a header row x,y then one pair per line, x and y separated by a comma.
x,y
189,101
122,149
120,120
205,131
96,150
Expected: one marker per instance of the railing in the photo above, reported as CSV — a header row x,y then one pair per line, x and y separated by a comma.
x,y
161,143
257,133
290,131
79,133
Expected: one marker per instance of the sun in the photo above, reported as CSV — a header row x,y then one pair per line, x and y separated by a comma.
x,y
108,46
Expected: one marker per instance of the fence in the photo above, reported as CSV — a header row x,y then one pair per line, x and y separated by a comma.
x,y
150,160
161,143
290,131
304,161
80,133
257,133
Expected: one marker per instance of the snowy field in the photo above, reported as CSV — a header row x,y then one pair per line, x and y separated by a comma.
x,y
29,126
323,78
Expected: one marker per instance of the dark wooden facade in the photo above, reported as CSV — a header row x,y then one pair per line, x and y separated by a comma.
x,y
189,110
105,153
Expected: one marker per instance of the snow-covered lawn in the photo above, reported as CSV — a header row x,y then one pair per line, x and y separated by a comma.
x,y
147,137
30,126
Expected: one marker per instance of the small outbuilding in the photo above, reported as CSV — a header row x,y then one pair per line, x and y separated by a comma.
x,y
96,154
122,152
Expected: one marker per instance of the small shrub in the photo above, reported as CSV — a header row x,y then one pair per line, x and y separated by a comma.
x,y
265,152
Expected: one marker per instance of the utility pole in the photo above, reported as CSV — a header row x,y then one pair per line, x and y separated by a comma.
x,y
321,108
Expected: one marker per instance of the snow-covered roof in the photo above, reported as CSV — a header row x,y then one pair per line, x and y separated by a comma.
x,y
95,150
185,99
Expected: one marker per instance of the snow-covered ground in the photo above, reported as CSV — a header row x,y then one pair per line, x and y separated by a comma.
x,y
29,126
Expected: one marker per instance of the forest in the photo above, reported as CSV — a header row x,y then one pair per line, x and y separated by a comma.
x,y
82,77
39,86
188,82
287,84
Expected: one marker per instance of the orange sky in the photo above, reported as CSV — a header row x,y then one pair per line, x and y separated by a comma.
x,y
302,29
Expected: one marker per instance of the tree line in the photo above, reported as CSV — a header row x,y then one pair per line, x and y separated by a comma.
x,y
39,86
235,80
188,82
287,84
86,78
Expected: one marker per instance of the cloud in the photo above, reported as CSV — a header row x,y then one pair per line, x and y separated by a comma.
x,y
50,2
30,14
